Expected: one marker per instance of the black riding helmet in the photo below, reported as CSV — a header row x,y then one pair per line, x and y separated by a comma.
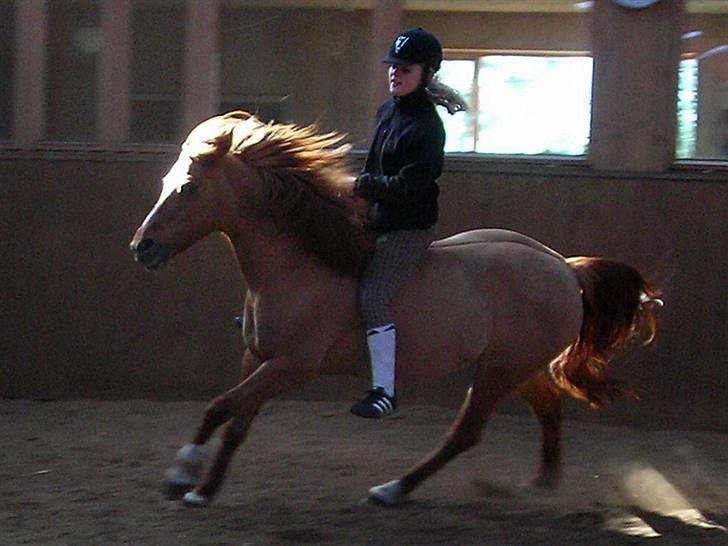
x,y
415,46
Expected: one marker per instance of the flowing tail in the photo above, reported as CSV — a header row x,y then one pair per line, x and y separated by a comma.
x,y
618,308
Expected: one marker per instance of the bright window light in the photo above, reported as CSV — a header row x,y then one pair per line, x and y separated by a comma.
x,y
534,105
687,109
539,105
459,128
521,104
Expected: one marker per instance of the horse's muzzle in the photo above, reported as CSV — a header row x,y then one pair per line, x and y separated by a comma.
x,y
151,254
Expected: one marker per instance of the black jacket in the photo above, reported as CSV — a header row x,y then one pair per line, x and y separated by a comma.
x,y
405,159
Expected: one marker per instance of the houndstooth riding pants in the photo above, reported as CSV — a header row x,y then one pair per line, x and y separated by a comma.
x,y
395,259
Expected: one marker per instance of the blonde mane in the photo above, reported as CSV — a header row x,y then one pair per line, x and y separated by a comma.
x,y
301,171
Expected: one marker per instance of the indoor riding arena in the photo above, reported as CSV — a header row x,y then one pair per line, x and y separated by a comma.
x,y
596,128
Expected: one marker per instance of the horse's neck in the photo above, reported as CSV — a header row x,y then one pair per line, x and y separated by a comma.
x,y
269,260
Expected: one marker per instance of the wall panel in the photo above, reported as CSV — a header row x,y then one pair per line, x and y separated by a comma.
x,y
80,318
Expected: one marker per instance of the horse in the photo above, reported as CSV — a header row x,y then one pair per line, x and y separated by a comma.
x,y
522,317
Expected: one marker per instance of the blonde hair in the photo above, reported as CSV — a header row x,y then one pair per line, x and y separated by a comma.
x,y
443,95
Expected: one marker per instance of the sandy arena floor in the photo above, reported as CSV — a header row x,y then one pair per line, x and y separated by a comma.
x,y
88,472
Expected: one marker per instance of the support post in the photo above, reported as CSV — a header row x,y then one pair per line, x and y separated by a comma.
x,y
31,32
634,94
114,80
201,71
386,24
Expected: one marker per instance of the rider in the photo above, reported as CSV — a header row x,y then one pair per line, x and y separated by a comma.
x,y
399,183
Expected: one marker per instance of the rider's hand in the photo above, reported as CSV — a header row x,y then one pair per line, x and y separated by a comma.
x,y
346,192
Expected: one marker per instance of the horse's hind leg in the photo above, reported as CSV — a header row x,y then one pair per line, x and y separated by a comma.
x,y
492,383
545,402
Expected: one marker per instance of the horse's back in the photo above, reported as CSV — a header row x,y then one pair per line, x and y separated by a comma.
x,y
485,236
485,292
501,257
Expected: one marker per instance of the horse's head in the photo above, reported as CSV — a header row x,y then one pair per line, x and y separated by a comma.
x,y
192,204
238,175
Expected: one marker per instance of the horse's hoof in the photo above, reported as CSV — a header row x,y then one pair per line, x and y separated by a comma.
x,y
185,472
195,500
177,483
387,494
175,491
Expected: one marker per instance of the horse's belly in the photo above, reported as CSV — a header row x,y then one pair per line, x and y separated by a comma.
x,y
443,324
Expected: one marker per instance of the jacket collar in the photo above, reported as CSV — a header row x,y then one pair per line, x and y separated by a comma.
x,y
414,100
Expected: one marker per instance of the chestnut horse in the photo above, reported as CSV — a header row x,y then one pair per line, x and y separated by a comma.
x,y
493,300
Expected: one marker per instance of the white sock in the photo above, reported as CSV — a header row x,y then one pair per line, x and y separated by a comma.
x,y
382,350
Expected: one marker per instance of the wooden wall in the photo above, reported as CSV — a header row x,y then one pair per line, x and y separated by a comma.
x,y
80,318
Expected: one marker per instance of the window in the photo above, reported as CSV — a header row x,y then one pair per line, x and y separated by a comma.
x,y
542,105
297,63
703,87
158,32
265,108
74,40
257,41
461,129
687,109
521,104
254,40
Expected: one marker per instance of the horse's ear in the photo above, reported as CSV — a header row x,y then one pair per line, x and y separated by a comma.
x,y
210,148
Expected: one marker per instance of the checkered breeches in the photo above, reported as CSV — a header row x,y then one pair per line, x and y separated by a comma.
x,y
395,258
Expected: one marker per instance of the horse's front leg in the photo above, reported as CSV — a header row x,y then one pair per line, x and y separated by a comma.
x,y
186,471
221,409
242,404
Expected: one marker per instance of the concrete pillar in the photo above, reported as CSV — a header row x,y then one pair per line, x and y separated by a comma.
x,y
31,30
201,90
114,74
634,96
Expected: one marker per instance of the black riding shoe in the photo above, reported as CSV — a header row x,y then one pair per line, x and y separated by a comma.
x,y
375,405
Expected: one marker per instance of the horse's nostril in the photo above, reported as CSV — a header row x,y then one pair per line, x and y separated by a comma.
x,y
144,245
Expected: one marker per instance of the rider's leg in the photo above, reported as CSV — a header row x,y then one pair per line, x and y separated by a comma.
x,y
396,257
